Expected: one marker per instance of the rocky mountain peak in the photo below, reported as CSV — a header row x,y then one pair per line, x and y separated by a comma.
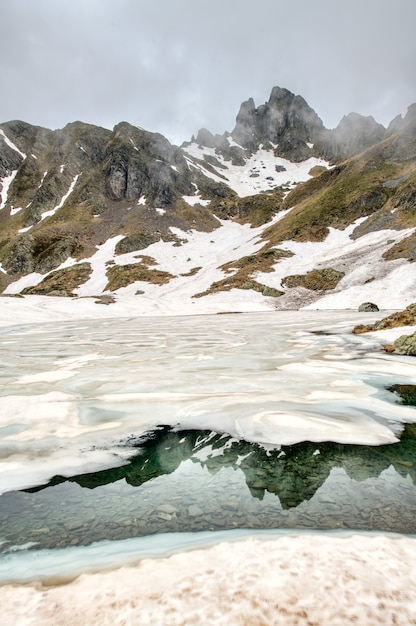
x,y
287,125
138,163
286,121
354,134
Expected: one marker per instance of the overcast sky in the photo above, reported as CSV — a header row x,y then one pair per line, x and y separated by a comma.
x,y
174,66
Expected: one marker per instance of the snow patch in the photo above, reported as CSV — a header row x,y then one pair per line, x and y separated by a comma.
x,y
16,210
6,182
367,275
11,144
193,200
98,279
46,214
261,172
265,578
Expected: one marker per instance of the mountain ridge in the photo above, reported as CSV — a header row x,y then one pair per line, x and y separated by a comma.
x,y
71,196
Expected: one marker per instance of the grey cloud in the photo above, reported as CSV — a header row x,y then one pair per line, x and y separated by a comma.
x,y
173,66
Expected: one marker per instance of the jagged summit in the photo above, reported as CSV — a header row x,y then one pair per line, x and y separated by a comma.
x,y
286,124
291,128
285,120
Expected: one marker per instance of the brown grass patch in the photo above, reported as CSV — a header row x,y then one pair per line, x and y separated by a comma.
x,y
404,249
192,272
61,282
122,275
407,317
315,280
243,269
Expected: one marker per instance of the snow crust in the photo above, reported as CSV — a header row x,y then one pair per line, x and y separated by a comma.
x,y
256,175
304,579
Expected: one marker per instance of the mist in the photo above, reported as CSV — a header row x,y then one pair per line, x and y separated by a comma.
x,y
176,66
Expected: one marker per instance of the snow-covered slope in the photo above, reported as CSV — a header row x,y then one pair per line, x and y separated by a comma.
x,y
262,171
197,263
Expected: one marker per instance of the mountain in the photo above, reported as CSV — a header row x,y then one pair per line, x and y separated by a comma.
x,y
278,213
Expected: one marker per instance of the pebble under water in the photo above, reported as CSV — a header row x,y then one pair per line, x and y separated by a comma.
x,y
182,481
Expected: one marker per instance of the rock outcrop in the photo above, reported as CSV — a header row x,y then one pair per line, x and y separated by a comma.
x,y
354,134
285,121
405,344
368,307
399,318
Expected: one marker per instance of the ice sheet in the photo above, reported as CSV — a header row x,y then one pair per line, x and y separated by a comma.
x,y
73,391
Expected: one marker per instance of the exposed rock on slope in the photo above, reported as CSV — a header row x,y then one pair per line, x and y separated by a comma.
x,y
288,125
379,184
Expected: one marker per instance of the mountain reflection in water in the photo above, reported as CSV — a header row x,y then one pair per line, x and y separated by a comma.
x,y
200,480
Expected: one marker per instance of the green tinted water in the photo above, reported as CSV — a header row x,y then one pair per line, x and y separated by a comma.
x,y
199,480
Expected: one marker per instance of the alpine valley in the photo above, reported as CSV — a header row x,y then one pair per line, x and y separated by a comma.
x,y
280,213
206,469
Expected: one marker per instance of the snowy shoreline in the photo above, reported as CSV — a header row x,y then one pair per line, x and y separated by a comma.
x,y
42,309
301,578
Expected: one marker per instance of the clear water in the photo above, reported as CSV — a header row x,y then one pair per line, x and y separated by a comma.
x,y
196,481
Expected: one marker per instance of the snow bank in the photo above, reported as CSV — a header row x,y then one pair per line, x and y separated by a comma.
x,y
304,579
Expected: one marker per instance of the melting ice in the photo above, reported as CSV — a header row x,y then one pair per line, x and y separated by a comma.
x,y
76,394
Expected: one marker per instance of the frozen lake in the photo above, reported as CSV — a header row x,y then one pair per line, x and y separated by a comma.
x,y
75,393
120,430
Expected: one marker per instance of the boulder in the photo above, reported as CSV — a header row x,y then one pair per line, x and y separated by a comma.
x,y
405,344
315,280
406,392
368,307
401,318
